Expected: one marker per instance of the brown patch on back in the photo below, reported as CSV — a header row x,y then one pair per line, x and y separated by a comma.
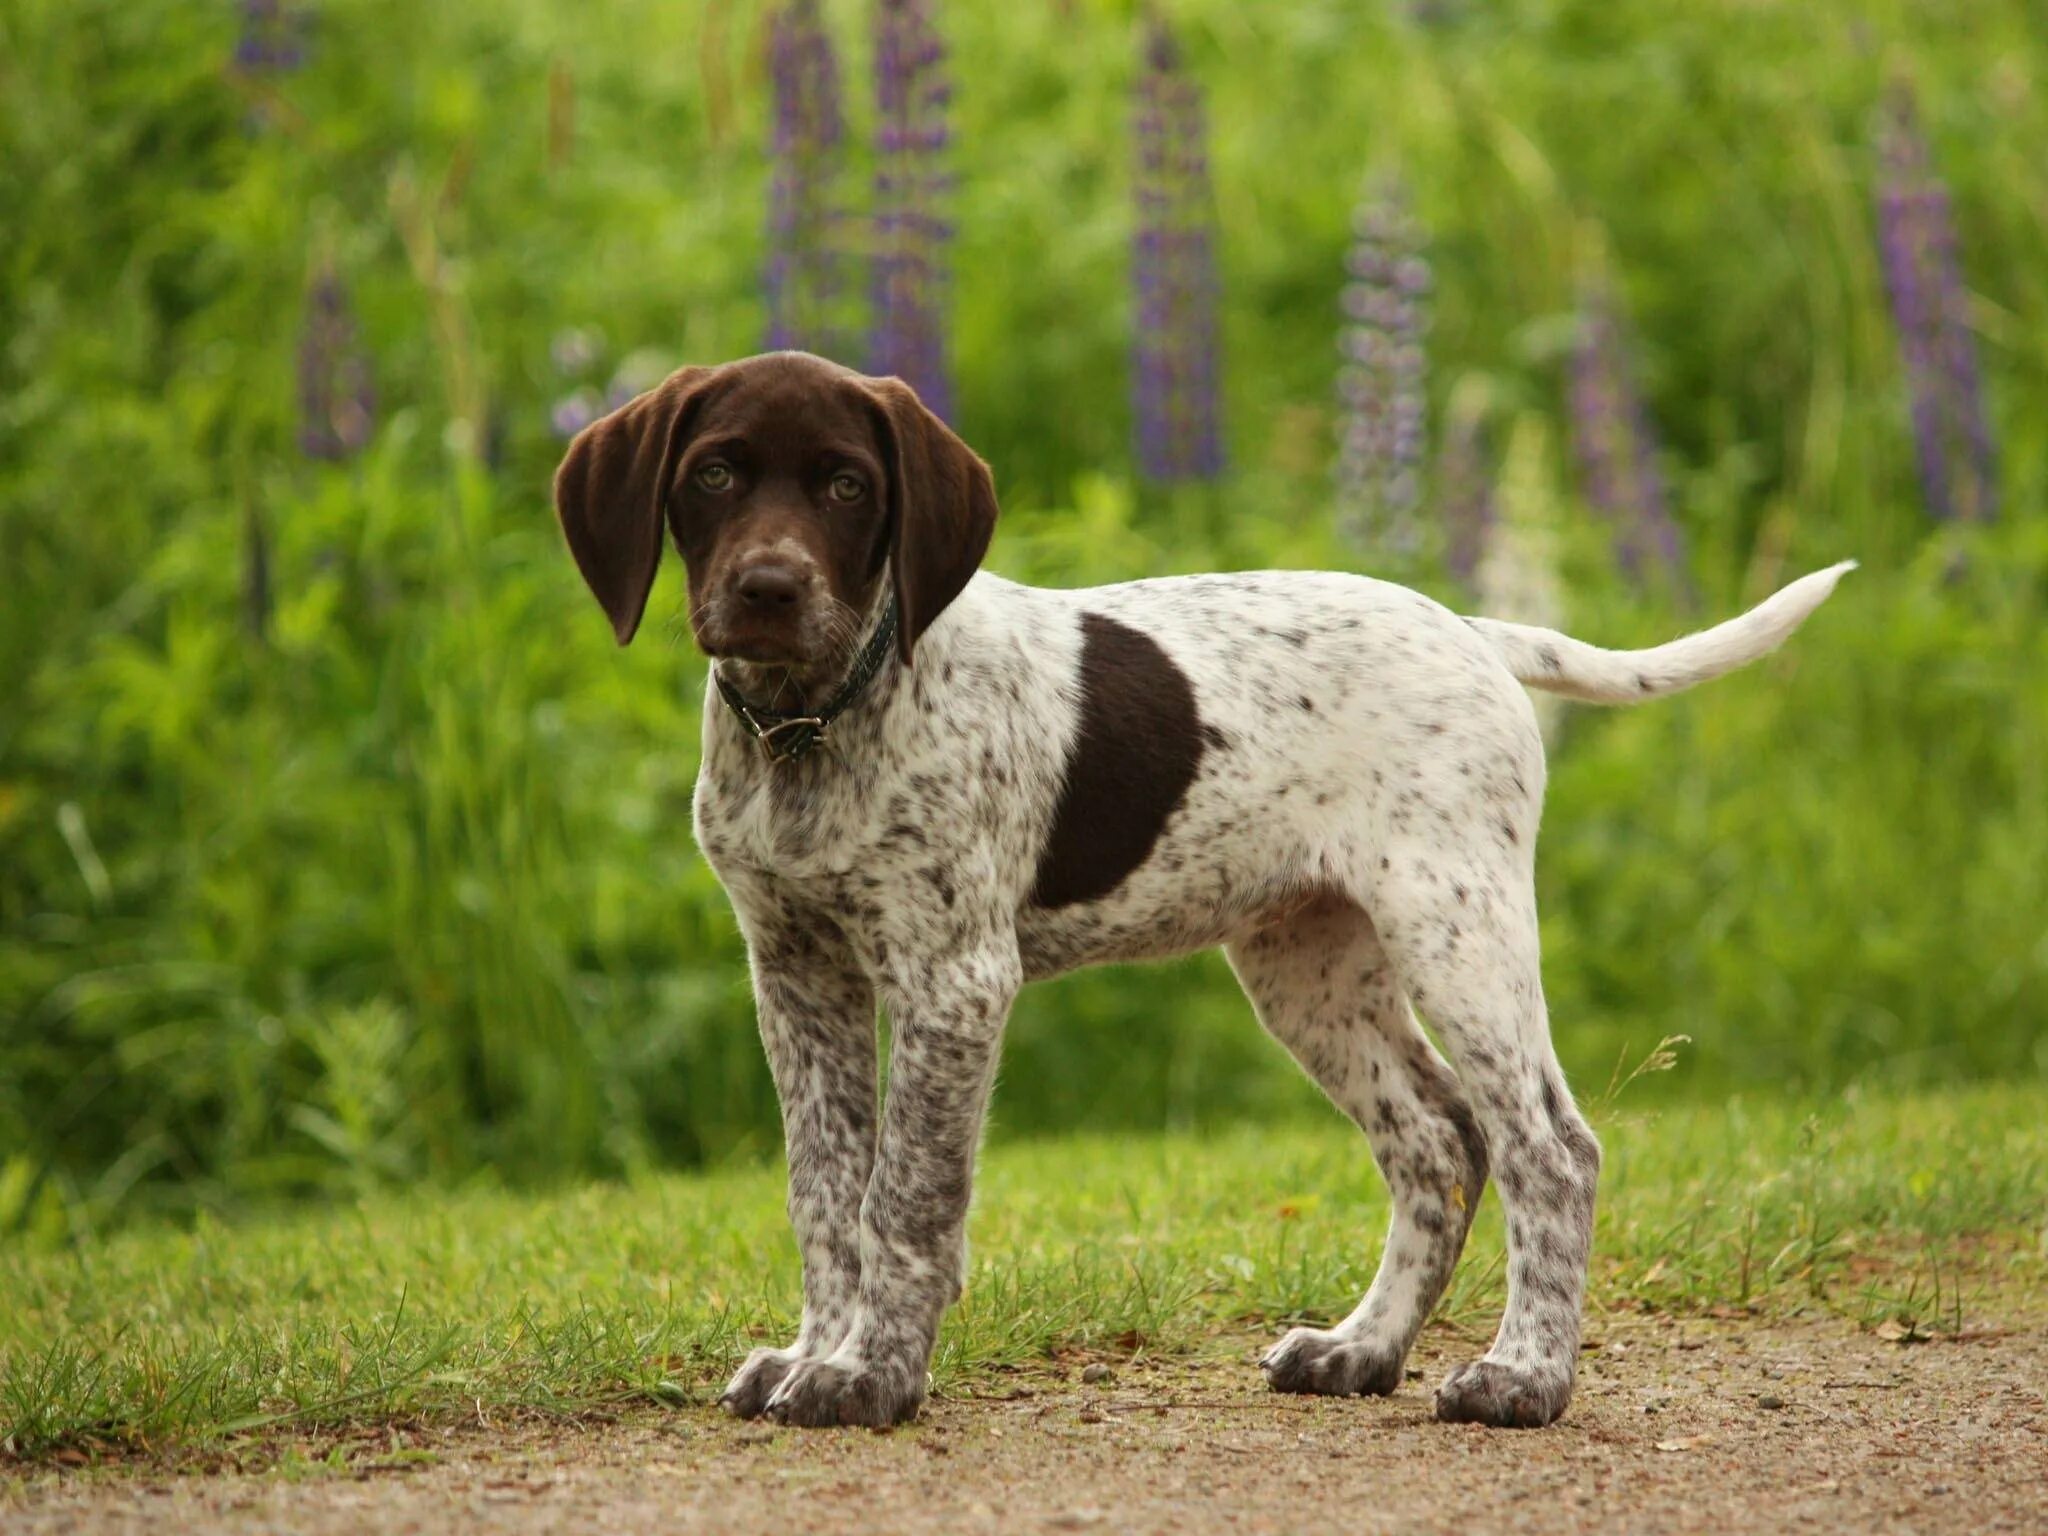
x,y
1134,757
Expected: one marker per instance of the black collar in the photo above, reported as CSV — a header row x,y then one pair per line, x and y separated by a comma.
x,y
784,738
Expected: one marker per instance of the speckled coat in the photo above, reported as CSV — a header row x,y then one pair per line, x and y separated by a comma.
x,y
1337,780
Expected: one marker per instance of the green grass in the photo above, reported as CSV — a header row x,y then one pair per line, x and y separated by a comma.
x,y
1906,1208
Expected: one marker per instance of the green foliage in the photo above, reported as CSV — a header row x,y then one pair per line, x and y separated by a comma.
x,y
369,861
1874,1209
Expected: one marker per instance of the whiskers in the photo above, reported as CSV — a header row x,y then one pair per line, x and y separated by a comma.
x,y
839,627
682,622
843,628
804,687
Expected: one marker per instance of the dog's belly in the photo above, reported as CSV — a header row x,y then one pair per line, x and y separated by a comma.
x,y
1053,943
1175,905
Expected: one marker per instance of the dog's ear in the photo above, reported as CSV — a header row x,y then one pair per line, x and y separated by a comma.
x,y
942,510
612,488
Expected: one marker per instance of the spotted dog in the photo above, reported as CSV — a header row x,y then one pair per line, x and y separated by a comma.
x,y
924,786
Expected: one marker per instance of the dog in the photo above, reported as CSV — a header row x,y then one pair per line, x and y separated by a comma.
x,y
923,786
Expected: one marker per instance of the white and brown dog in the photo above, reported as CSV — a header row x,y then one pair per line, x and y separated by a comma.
x,y
924,786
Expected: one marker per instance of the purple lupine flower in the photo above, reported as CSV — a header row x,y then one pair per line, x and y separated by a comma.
x,y
909,276
1176,338
575,352
337,403
621,391
802,272
1380,385
1465,486
573,412
273,37
1952,441
1435,13
1616,442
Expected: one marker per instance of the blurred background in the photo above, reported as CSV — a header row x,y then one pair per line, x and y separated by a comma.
x,y
339,847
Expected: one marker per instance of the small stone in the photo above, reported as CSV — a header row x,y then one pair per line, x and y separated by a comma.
x,y
1686,1442
1096,1374
1770,1400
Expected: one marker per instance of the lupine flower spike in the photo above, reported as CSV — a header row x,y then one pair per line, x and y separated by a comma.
x,y
1381,382
804,269
574,355
1616,444
271,44
573,412
273,37
337,405
1175,365
912,188
1465,485
1917,241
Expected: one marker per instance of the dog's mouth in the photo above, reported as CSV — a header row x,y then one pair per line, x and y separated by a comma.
x,y
785,644
759,653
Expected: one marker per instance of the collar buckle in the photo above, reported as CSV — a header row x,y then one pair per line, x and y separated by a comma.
x,y
784,741
786,738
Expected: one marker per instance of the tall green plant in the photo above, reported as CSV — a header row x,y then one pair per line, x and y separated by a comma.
x,y
407,890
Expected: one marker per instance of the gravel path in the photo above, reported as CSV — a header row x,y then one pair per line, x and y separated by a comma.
x,y
1679,1427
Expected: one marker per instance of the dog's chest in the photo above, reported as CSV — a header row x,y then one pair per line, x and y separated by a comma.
x,y
886,816
786,823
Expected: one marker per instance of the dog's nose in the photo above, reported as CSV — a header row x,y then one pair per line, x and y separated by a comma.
x,y
769,586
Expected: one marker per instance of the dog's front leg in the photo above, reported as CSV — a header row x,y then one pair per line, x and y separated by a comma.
x,y
817,1018
948,1024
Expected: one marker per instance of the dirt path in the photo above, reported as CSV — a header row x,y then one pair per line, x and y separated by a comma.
x,y
1677,1427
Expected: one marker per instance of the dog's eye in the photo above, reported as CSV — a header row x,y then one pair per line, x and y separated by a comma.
x,y
848,488
715,477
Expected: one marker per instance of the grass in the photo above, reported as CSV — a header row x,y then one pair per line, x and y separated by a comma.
x,y
1899,1212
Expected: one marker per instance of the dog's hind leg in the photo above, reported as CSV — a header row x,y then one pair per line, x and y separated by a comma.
x,y
1458,917
1322,984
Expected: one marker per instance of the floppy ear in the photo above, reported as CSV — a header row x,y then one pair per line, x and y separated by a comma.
x,y
611,488
942,508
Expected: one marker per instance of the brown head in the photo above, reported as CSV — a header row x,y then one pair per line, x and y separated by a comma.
x,y
793,488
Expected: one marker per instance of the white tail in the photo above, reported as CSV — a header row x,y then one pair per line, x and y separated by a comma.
x,y
1556,663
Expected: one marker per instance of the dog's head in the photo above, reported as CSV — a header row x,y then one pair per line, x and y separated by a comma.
x,y
792,487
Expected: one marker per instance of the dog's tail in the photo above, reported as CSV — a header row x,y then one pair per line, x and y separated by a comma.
x,y
1556,663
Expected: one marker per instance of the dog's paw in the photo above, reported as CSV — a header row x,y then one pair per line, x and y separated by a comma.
x,y
1329,1365
1505,1396
823,1392
747,1394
